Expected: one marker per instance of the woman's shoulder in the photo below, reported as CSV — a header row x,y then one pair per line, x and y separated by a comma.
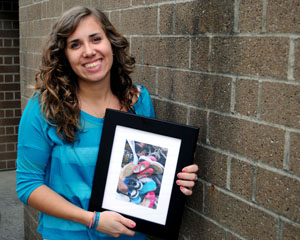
x,y
143,104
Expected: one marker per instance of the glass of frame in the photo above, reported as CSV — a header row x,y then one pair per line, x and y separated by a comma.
x,y
136,170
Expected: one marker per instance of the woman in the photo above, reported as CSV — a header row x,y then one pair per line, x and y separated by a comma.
x,y
85,69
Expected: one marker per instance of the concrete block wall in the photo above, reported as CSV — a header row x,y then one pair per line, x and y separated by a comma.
x,y
10,109
230,67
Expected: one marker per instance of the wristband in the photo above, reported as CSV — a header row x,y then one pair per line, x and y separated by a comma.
x,y
92,220
95,220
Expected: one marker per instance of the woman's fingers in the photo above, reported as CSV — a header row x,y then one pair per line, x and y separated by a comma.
x,y
190,169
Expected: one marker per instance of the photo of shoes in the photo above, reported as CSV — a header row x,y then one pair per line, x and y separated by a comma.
x,y
141,173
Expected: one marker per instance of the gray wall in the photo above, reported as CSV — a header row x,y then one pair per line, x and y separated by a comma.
x,y
230,67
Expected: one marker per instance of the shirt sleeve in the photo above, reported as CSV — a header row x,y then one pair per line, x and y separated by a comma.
x,y
144,104
34,150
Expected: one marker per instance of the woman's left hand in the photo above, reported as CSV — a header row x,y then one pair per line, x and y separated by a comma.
x,y
187,179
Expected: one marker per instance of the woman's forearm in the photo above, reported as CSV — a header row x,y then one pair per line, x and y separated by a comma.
x,y
47,201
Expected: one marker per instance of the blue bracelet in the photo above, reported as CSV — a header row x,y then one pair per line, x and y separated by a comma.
x,y
96,221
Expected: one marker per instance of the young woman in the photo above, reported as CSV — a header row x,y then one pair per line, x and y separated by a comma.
x,y
85,69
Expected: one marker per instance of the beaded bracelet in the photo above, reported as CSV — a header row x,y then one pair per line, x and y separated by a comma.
x,y
92,220
95,221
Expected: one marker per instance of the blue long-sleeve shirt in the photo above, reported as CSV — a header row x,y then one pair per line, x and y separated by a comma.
x,y
68,169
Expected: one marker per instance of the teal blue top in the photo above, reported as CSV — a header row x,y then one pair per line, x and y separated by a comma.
x,y
68,169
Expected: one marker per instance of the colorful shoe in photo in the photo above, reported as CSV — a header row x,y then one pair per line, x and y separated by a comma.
x,y
149,200
158,168
133,193
148,187
133,183
146,173
141,166
136,200
127,170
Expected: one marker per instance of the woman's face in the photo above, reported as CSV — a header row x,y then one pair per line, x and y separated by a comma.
x,y
89,51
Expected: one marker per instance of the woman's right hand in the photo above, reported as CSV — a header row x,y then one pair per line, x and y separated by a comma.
x,y
115,224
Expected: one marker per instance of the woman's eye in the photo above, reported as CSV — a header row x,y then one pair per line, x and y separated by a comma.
x,y
97,39
74,45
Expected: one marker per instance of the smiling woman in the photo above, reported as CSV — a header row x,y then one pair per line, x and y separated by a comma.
x,y
85,70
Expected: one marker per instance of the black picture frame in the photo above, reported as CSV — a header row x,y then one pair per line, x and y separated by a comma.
x,y
124,134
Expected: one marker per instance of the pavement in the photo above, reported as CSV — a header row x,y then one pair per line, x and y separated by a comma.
x,y
11,208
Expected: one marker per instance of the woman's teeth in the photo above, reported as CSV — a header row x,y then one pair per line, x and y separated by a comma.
x,y
92,65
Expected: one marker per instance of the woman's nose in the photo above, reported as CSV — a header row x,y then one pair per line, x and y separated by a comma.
x,y
88,50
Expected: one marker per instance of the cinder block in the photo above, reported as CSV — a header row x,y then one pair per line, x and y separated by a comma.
x,y
166,51
295,153
145,75
283,16
264,56
195,201
67,4
137,2
115,19
280,104
249,139
212,166
202,90
246,97
166,18
297,60
108,4
139,21
198,118
205,16
290,231
241,178
250,16
278,193
240,217
200,53
196,227
54,8
170,111
137,50
165,83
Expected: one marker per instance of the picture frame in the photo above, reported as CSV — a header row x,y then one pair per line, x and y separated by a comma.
x,y
135,175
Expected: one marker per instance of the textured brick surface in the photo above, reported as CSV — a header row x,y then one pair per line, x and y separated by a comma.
x,y
297,60
246,97
201,90
205,230
108,4
168,51
200,17
259,142
280,104
283,16
246,220
196,200
137,50
290,232
146,76
200,53
251,16
295,153
198,118
264,56
170,111
139,21
212,166
241,178
166,18
278,193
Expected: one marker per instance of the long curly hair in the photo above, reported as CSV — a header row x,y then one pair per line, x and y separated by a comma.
x,y
56,82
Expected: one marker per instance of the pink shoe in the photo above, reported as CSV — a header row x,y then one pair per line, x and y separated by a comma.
x,y
149,200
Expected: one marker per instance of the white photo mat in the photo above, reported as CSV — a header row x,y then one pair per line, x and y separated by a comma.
x,y
111,202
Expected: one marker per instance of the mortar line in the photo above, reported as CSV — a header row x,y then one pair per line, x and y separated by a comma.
x,y
247,77
279,237
286,159
228,175
207,128
233,95
236,16
264,20
156,81
291,60
259,97
190,53
158,21
236,116
253,162
216,223
254,184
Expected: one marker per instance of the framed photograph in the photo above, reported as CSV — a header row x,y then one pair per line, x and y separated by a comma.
x,y
136,170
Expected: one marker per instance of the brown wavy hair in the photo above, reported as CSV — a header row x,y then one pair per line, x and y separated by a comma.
x,y
56,82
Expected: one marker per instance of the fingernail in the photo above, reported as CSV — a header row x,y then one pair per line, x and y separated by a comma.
x,y
183,170
177,182
178,175
181,187
132,224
